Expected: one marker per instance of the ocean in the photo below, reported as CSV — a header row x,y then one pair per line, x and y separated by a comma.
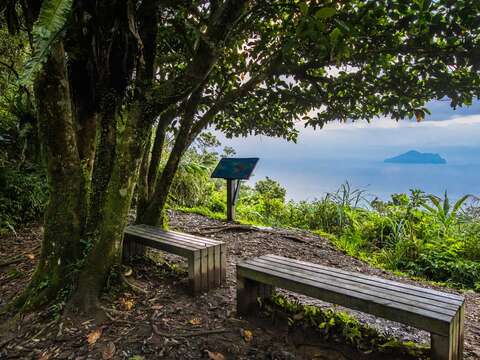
x,y
307,180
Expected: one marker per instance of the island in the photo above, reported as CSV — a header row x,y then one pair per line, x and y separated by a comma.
x,y
416,157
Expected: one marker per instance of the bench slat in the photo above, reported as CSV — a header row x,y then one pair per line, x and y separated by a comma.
x,y
166,239
155,243
179,235
386,308
207,239
452,298
388,289
164,235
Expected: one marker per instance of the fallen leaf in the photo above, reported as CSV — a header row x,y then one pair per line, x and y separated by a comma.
x,y
195,321
108,351
93,337
127,271
215,355
247,335
44,356
126,304
30,256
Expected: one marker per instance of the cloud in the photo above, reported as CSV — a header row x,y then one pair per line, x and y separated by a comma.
x,y
386,123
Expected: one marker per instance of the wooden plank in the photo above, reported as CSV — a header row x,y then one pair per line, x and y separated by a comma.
x,y
211,267
388,309
156,244
441,346
126,249
461,329
177,235
194,274
182,237
248,292
217,265
166,238
410,289
223,262
455,337
161,240
457,299
364,287
204,238
204,269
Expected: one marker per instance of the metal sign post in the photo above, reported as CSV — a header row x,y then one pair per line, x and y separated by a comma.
x,y
234,170
233,188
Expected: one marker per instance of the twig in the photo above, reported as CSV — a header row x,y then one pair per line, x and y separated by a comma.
x,y
114,311
134,287
6,341
11,261
193,333
44,328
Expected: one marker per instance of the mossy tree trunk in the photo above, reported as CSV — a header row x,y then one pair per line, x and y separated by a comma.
x,y
66,212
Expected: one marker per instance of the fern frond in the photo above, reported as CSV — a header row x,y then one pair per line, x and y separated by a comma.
x,y
48,27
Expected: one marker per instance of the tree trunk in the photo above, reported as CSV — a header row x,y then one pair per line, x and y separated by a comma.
x,y
65,214
154,213
106,240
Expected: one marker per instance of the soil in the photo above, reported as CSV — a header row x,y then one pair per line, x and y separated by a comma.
x,y
154,317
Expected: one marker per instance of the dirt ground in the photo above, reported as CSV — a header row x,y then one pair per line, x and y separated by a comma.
x,y
156,318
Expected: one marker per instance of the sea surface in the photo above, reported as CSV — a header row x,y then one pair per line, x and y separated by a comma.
x,y
306,180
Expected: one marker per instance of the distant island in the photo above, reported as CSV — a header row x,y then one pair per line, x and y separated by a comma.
x,y
416,157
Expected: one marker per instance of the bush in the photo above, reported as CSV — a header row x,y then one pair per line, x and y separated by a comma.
x,y
23,196
442,262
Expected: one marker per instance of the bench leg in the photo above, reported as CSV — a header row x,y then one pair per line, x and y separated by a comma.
x,y
450,347
194,273
131,248
461,337
441,347
248,292
223,263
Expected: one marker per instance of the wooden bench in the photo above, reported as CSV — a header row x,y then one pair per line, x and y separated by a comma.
x,y
439,313
206,257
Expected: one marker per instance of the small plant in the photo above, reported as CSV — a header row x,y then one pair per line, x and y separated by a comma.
x,y
443,212
340,327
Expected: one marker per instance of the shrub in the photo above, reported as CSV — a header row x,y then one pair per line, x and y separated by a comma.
x,y
23,196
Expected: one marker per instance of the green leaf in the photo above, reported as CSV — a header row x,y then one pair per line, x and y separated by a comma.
x,y
51,22
335,35
325,13
303,8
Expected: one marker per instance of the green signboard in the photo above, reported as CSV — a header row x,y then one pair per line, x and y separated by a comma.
x,y
235,168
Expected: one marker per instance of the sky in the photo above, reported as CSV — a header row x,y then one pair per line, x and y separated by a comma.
x,y
324,158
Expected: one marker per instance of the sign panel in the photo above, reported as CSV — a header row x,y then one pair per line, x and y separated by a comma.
x,y
235,168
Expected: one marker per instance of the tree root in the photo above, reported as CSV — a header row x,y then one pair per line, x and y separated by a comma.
x,y
189,334
241,227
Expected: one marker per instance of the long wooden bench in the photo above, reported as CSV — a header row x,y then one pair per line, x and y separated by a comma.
x,y
206,257
439,313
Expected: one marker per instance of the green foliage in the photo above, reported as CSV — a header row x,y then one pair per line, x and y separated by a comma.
x,y
340,327
23,196
51,21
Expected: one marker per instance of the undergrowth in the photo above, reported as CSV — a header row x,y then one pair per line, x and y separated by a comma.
x,y
340,327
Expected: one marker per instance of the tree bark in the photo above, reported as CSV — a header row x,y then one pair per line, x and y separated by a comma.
x,y
154,214
65,214
106,240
